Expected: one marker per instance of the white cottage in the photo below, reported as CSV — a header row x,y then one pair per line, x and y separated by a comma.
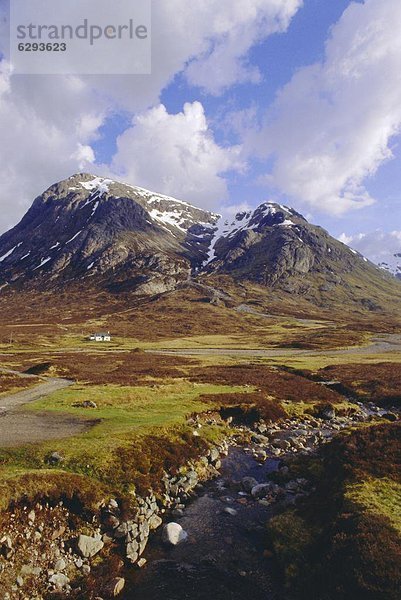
x,y
100,337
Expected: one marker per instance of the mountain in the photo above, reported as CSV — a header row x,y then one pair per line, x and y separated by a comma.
x,y
90,227
126,239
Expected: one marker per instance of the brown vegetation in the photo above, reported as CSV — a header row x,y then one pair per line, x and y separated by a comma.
x,y
379,383
246,408
347,553
279,384
128,368
9,381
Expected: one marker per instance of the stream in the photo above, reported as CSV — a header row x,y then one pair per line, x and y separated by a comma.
x,y
223,556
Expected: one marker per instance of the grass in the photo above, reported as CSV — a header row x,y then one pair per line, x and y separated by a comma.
x,y
378,497
345,543
10,383
123,408
141,431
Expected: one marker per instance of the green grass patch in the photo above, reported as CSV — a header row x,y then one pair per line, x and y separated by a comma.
x,y
140,432
378,497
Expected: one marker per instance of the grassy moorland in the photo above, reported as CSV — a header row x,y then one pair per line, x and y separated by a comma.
x,y
346,542
141,405
10,383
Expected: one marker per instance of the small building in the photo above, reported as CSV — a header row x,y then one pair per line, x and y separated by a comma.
x,y
100,337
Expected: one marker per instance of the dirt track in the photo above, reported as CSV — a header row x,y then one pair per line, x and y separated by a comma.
x,y
379,345
19,427
49,386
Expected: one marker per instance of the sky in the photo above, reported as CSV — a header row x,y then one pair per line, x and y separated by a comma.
x,y
249,100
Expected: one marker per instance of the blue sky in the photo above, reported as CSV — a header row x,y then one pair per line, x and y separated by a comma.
x,y
249,100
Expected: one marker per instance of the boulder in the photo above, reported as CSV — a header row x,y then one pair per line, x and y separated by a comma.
x,y
55,458
248,483
261,490
89,546
173,534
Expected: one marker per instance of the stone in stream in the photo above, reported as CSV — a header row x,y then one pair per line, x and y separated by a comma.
x,y
89,546
173,534
390,417
248,483
230,511
282,444
261,490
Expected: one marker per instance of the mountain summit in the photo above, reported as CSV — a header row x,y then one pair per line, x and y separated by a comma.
x,y
89,226
126,238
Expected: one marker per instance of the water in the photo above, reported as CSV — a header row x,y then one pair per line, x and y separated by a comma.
x,y
223,557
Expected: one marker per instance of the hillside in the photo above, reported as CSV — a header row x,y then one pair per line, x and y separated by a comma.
x,y
103,236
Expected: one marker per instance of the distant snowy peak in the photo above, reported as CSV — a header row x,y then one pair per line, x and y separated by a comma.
x,y
392,265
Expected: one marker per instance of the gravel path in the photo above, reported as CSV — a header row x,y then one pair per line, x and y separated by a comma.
x,y
19,427
46,388
379,345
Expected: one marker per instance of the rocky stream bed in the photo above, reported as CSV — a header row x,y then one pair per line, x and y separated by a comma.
x,y
205,537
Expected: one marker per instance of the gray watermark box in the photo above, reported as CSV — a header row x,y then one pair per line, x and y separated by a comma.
x,y
80,37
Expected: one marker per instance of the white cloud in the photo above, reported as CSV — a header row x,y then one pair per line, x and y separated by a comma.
x,y
38,147
236,27
379,246
176,155
48,123
332,126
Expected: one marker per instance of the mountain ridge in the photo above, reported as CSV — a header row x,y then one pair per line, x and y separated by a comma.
x,y
126,238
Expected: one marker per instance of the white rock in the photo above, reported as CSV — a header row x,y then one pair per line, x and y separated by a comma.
x,y
89,546
173,534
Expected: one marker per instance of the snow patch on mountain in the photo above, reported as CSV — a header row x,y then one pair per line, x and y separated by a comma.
x,y
172,217
43,262
99,185
10,252
248,219
74,237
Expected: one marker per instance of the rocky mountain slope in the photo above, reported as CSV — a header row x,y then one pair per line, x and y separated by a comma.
x,y
125,238
89,227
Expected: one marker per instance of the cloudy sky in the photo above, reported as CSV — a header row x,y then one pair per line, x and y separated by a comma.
x,y
287,100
